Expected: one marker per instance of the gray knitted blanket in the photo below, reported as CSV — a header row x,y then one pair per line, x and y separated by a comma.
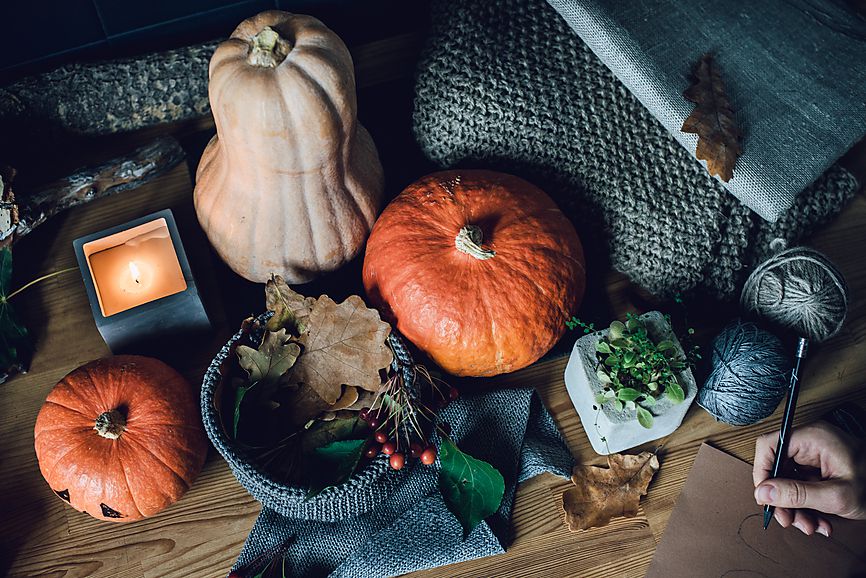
x,y
508,85
382,522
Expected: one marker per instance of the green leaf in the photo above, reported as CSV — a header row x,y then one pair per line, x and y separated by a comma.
x,y
13,336
602,347
334,463
627,394
609,394
472,488
617,330
620,343
240,392
600,399
602,376
675,392
644,417
665,345
633,324
323,433
618,405
630,405
629,358
612,361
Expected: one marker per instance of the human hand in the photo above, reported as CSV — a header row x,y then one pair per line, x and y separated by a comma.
x,y
827,459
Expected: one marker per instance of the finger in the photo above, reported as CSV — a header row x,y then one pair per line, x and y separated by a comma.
x,y
805,521
830,496
822,446
784,516
819,445
765,455
825,528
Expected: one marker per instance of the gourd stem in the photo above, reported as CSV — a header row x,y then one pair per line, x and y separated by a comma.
x,y
268,48
468,241
110,424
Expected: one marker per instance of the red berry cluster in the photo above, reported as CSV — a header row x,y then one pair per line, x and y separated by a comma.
x,y
386,438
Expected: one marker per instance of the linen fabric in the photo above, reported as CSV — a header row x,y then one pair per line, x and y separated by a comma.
x,y
793,71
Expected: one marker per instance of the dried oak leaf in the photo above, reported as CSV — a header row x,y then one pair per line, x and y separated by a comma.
x,y
350,396
301,404
712,120
291,309
274,357
344,345
602,493
366,398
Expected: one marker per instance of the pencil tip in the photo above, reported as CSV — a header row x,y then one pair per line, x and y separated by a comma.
x,y
767,517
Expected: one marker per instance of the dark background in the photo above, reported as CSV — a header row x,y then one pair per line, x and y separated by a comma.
x,y
39,35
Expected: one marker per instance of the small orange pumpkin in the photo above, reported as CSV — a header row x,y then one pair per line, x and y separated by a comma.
x,y
121,438
478,269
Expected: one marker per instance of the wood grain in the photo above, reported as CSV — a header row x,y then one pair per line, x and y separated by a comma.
x,y
201,535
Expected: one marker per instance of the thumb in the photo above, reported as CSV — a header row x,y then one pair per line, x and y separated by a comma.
x,y
824,496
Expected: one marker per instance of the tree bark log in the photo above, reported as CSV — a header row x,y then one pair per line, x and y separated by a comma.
x,y
19,216
111,96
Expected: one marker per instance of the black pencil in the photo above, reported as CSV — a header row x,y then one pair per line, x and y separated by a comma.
x,y
787,420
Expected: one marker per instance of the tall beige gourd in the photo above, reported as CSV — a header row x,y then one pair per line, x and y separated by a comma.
x,y
291,183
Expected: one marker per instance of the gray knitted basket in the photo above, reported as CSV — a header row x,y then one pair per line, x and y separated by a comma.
x,y
360,494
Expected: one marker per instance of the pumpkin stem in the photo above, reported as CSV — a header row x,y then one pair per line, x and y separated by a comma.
x,y
268,48
469,241
110,424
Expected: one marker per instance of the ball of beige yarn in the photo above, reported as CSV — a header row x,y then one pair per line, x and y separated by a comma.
x,y
801,290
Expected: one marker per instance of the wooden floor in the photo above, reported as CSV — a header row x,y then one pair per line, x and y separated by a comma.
x,y
202,534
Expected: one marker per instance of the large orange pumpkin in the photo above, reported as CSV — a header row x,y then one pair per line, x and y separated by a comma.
x,y
121,438
479,269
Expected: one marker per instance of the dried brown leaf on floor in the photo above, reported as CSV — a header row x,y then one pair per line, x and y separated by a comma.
x,y
601,493
345,344
291,309
712,120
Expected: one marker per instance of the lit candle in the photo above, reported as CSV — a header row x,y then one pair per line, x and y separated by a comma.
x,y
134,267
139,282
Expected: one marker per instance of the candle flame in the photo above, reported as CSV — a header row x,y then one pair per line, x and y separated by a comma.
x,y
136,274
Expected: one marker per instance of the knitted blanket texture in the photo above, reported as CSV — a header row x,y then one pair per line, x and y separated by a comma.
x,y
508,85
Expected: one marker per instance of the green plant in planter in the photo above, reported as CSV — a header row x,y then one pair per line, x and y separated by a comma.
x,y
635,371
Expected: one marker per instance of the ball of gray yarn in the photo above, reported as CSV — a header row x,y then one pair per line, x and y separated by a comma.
x,y
800,290
749,377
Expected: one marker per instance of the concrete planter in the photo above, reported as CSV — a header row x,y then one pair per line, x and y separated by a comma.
x,y
621,428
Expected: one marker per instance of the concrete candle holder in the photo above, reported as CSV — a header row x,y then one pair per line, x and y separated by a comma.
x,y
143,296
